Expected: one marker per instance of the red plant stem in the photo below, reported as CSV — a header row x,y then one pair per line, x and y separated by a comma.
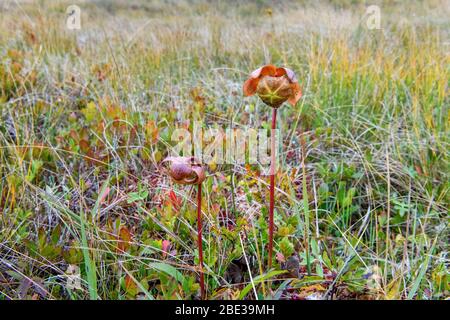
x,y
199,239
272,183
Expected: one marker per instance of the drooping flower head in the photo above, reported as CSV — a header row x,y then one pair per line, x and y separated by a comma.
x,y
184,170
273,85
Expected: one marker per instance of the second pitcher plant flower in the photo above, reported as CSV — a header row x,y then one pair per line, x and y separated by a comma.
x,y
189,170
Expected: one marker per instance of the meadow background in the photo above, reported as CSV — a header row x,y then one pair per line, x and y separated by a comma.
x,y
86,115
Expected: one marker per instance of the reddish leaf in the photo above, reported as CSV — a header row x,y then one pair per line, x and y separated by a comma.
x,y
280,257
124,239
176,202
165,247
84,146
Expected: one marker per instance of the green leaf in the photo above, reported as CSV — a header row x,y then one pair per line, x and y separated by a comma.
x,y
137,196
286,247
90,112
259,279
56,234
422,272
326,260
169,270
41,238
89,263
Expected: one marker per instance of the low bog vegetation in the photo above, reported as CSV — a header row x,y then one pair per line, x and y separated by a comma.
x,y
87,115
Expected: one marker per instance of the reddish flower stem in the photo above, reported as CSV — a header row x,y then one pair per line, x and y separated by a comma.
x,y
272,182
199,239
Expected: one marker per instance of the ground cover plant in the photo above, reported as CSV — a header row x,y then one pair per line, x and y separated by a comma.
x,y
87,116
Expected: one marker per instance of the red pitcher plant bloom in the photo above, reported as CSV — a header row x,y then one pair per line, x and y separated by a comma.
x,y
188,170
274,86
185,170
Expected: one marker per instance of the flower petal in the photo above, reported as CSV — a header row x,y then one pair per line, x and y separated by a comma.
x,y
268,70
280,72
256,73
296,94
200,172
176,167
288,72
184,170
250,86
168,159
192,178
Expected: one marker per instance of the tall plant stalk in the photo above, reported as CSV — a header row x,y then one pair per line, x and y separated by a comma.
x,y
199,240
272,182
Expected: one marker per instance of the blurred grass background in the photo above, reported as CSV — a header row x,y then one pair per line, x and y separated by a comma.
x,y
86,115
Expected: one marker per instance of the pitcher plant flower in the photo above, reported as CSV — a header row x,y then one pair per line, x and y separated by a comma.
x,y
189,171
274,86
